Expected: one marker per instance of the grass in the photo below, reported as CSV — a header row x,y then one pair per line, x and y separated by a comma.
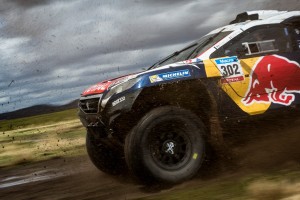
x,y
41,137
38,120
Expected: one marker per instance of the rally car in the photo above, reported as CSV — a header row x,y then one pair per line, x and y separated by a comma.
x,y
157,123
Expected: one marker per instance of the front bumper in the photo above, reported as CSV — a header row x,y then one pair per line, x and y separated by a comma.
x,y
91,113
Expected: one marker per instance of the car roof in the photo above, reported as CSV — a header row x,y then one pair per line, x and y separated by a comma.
x,y
250,19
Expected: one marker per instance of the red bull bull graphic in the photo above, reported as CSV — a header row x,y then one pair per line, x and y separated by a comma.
x,y
274,79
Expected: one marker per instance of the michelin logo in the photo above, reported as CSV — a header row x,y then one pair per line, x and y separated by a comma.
x,y
169,75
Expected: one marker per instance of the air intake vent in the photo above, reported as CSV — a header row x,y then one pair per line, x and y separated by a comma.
x,y
242,17
89,106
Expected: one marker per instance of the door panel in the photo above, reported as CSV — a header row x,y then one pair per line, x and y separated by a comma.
x,y
265,74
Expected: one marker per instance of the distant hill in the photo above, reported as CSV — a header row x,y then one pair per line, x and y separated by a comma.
x,y
37,110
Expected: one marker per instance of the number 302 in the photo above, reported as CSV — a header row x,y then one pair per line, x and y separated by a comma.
x,y
230,70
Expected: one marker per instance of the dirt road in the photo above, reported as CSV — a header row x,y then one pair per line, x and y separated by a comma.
x,y
73,178
262,146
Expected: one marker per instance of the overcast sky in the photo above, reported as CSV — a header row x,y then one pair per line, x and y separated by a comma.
x,y
51,50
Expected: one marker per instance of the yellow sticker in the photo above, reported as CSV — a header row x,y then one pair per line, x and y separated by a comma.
x,y
238,90
195,156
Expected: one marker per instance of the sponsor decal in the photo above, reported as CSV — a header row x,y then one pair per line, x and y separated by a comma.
x,y
273,79
98,88
195,60
231,69
195,156
116,102
122,80
188,61
155,78
170,75
103,86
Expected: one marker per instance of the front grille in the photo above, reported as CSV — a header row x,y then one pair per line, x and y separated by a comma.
x,y
89,105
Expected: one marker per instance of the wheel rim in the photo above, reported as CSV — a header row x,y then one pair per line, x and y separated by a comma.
x,y
170,145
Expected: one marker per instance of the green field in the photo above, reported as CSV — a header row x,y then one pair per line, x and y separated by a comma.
x,y
41,137
38,120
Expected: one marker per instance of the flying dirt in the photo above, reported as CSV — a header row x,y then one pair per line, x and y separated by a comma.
x,y
268,145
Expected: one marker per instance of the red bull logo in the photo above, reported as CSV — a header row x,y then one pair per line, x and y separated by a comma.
x,y
274,79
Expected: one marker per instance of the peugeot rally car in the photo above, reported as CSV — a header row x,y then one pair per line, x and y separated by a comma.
x,y
156,123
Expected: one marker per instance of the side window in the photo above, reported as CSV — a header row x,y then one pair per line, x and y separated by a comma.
x,y
259,41
260,46
296,38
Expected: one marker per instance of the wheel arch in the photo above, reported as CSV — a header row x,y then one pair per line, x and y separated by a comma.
x,y
189,94
192,95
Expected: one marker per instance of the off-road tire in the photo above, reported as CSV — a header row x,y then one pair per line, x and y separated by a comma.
x,y
103,157
147,147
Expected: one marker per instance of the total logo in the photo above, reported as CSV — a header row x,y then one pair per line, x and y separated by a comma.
x,y
98,88
274,79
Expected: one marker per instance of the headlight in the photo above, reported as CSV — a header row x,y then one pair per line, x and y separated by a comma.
x,y
118,88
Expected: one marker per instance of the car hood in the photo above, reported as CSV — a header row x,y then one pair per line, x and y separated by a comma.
x,y
105,85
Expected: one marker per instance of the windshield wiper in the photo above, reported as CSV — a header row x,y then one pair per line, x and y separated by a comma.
x,y
176,53
207,42
217,34
165,59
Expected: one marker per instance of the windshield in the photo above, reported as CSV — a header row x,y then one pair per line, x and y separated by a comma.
x,y
209,42
192,50
177,56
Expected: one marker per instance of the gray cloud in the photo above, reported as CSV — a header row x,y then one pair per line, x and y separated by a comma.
x,y
29,3
50,47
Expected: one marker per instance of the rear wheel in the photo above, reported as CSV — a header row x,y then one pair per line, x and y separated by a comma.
x,y
166,145
103,157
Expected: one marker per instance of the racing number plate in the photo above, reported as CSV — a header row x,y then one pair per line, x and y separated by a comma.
x,y
230,69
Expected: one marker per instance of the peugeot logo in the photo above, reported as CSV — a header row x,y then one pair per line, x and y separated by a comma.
x,y
88,105
170,146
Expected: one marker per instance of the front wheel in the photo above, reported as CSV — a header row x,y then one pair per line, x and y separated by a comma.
x,y
166,145
103,157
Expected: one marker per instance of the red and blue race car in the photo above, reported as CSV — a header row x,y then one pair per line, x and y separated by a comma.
x,y
156,123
